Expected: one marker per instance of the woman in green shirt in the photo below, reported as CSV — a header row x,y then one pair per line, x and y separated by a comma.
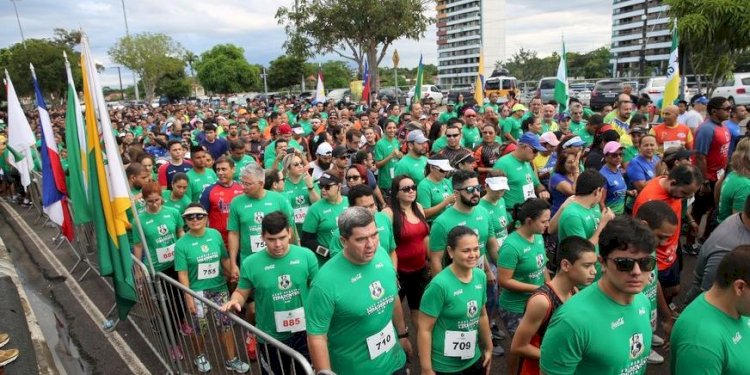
x,y
298,187
201,260
735,187
176,198
435,192
453,321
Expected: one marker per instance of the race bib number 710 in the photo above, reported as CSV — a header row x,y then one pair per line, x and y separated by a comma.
x,y
382,341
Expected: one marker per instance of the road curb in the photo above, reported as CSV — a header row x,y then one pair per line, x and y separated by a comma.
x,y
45,361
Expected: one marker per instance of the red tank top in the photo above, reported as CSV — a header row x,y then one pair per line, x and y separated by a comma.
x,y
531,366
411,249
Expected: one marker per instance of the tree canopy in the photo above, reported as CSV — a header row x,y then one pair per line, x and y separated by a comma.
x,y
525,64
174,84
224,69
286,71
149,55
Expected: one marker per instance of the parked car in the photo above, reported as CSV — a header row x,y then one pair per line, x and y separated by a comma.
x,y
654,88
545,89
736,89
581,91
339,95
605,93
393,95
428,91
306,95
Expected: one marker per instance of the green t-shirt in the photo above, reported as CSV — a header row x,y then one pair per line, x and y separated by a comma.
x,y
299,198
499,214
528,261
577,127
385,235
160,230
201,258
479,220
457,307
734,192
586,137
705,340
431,193
199,181
470,137
512,125
521,179
353,305
180,205
439,144
445,116
412,167
591,334
582,222
322,219
240,164
246,214
629,153
270,152
281,286
306,126
383,148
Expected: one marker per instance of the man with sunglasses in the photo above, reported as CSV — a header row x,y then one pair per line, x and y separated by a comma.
x,y
453,137
414,162
470,131
522,179
322,217
466,212
605,328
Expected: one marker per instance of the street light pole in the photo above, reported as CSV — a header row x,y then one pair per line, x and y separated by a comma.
x,y
122,93
127,34
23,39
265,84
644,40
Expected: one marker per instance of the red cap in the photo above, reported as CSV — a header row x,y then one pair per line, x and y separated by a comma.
x,y
285,129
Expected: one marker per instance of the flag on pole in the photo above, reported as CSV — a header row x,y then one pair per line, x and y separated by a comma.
x,y
108,188
418,82
672,88
54,190
479,82
320,92
561,84
75,140
20,137
366,83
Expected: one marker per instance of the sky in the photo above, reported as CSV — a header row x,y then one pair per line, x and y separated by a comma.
x,y
198,25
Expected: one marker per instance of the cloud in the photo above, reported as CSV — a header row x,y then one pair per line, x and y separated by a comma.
x,y
199,25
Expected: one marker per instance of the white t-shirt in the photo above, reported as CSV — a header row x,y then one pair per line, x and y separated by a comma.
x,y
691,118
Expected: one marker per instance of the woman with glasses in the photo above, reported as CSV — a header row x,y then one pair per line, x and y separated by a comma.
x,y
201,261
643,167
298,187
177,197
322,217
454,332
410,230
522,264
488,151
435,192
615,189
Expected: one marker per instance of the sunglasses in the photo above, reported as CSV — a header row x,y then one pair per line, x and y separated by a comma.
x,y
409,188
472,189
451,135
726,108
194,217
627,264
471,116
353,178
297,165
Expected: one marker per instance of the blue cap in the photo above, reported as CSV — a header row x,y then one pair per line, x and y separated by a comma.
x,y
532,140
702,100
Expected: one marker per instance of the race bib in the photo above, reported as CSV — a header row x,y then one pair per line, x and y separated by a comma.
x,y
299,214
391,171
460,344
720,174
208,270
671,144
528,191
290,320
165,254
256,243
382,341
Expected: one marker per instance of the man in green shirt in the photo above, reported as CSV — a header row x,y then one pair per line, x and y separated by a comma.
x,y
577,123
466,187
511,126
470,131
450,112
355,322
279,278
322,216
386,155
522,178
246,213
712,335
617,338
414,162
241,159
199,177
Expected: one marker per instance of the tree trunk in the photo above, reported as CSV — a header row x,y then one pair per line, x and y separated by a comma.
x,y
372,58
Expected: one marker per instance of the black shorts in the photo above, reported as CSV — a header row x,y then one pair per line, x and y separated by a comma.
x,y
704,202
273,361
671,276
412,286
474,369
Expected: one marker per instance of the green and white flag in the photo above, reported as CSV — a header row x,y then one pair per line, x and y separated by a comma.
x,y
561,84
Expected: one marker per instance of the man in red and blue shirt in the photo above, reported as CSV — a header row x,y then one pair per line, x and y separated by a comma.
x,y
176,164
216,198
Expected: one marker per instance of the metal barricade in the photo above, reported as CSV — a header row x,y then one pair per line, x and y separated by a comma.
x,y
215,339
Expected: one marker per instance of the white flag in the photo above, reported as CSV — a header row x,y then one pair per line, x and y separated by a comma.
x,y
20,136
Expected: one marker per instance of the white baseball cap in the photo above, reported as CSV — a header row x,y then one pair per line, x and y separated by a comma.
x,y
324,149
497,183
443,164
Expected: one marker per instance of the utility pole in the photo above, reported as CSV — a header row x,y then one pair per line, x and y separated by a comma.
x,y
119,75
644,17
264,75
127,34
23,39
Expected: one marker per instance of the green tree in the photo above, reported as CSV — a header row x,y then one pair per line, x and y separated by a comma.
x,y
336,74
525,65
175,84
47,57
714,32
148,55
354,29
286,71
592,64
224,69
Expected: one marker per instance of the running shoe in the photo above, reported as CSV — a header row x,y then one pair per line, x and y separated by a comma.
x,y
237,366
655,358
8,356
4,338
657,341
498,351
202,363
186,329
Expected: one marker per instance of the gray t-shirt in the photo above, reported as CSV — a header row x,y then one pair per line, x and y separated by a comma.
x,y
728,235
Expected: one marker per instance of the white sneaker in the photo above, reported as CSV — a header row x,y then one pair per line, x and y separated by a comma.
x,y
655,358
202,363
656,341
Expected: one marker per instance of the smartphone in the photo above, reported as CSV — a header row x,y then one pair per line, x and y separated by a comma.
x,y
290,150
322,251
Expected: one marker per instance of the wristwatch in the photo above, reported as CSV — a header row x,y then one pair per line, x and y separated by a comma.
x,y
404,335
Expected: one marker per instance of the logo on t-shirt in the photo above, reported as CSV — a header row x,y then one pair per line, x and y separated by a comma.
x,y
300,200
204,248
376,290
285,281
636,345
539,260
471,308
737,337
259,217
162,229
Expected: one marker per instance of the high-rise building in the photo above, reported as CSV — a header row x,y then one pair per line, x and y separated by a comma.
x,y
465,26
641,37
